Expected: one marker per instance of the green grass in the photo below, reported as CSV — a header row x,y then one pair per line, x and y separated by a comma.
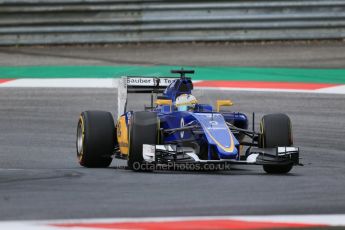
x,y
333,76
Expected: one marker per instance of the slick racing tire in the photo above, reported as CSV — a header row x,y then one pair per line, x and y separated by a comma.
x,y
95,139
143,130
276,131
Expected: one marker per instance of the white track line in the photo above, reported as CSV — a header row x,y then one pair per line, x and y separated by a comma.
x,y
256,89
329,220
336,90
63,83
332,220
330,90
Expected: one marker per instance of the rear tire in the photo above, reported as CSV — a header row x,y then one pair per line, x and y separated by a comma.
x,y
143,130
276,131
95,139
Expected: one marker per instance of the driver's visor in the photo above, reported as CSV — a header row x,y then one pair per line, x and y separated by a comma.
x,y
185,108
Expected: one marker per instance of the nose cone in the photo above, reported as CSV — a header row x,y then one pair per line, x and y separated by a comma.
x,y
218,134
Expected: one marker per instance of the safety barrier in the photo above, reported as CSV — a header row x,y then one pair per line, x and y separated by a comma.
x,y
111,21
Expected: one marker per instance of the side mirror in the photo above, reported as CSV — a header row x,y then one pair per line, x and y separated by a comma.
x,y
164,102
221,103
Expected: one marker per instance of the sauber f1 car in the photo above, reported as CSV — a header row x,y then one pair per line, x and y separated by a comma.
x,y
177,129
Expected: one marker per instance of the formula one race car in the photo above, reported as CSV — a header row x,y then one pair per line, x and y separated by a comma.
x,y
178,130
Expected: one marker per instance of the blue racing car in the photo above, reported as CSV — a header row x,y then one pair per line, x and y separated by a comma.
x,y
177,130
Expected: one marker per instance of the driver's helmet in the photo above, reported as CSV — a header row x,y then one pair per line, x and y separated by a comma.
x,y
185,102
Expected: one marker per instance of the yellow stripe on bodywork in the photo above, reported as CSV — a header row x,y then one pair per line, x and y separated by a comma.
x,y
122,135
262,139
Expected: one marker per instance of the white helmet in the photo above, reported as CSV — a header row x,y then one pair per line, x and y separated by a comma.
x,y
185,102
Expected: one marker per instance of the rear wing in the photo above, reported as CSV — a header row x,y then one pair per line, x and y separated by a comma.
x,y
140,84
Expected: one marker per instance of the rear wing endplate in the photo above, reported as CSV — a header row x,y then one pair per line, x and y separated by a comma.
x,y
139,84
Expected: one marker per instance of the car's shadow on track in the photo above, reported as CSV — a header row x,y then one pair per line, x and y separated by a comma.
x,y
233,171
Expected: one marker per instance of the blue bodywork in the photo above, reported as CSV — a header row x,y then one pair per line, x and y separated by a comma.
x,y
215,140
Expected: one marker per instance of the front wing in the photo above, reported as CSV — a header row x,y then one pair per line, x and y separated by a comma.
x,y
163,154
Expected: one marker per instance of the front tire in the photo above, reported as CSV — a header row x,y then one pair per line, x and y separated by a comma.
x,y
95,139
143,130
276,131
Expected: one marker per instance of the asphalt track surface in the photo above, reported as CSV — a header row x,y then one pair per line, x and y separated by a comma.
x,y
41,179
